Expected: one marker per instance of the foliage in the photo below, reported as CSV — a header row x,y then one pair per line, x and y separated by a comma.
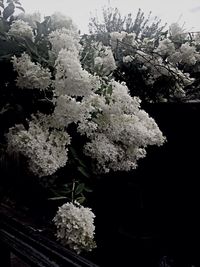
x,y
156,65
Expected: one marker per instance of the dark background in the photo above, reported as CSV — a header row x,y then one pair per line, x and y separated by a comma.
x,y
153,212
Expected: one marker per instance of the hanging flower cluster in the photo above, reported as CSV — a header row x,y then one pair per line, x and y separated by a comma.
x,y
75,226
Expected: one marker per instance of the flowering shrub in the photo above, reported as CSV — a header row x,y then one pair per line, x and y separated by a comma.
x,y
67,116
156,65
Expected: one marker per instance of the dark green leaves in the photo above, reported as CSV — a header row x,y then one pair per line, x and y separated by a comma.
x,y
8,11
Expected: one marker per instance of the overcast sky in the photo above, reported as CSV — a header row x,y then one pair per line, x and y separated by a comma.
x,y
169,11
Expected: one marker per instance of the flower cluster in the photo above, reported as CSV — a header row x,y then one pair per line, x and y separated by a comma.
x,y
71,79
31,75
45,149
20,28
75,226
119,131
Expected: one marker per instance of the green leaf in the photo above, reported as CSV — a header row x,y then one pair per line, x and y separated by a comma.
x,y
88,190
80,199
21,8
83,171
110,90
9,10
75,156
57,198
79,188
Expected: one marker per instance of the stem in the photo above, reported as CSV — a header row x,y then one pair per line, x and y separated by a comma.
x,y
73,188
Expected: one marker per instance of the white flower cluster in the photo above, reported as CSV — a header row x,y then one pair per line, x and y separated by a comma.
x,y
75,227
20,28
71,79
186,55
45,149
31,75
118,37
165,48
104,62
59,21
119,131
31,19
64,39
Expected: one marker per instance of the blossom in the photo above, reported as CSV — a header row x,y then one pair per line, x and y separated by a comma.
x,y
31,75
64,39
104,62
45,149
165,48
31,19
20,28
59,21
71,79
120,131
67,110
75,226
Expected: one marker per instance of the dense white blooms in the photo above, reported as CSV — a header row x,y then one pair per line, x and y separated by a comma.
x,y
68,110
31,75
127,59
64,39
59,21
117,38
165,48
45,149
20,28
187,54
71,79
75,227
119,131
31,19
104,62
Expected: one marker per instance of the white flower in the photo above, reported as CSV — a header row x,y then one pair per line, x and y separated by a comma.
x,y
20,28
31,19
127,59
45,149
165,48
104,62
64,39
59,21
120,131
67,110
31,75
115,37
71,79
75,227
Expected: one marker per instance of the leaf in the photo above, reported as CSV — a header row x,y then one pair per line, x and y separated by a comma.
x,y
21,8
88,190
57,198
9,10
17,2
75,156
79,188
80,199
83,172
110,90
1,5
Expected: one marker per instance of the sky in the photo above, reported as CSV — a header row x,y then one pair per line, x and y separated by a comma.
x,y
185,12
